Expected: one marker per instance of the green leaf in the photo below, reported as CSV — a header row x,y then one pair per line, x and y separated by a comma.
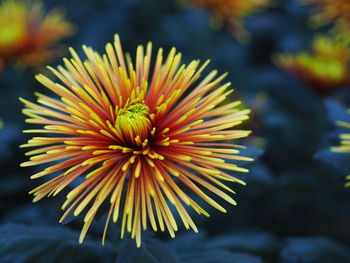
x,y
336,111
254,242
213,255
198,249
336,160
314,249
9,133
151,251
32,244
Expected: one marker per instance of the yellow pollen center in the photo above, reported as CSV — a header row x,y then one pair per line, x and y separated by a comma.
x,y
134,121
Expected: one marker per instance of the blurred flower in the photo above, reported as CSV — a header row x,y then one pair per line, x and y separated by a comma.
x,y
344,146
29,37
137,136
330,11
324,68
232,12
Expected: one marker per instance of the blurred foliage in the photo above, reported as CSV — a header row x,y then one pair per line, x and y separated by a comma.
x,y
294,207
336,112
314,249
152,251
20,243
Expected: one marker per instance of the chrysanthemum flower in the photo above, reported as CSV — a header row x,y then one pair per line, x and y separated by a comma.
x,y
324,68
330,11
139,136
233,12
344,146
28,36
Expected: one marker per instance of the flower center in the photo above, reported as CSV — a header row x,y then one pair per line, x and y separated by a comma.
x,y
134,121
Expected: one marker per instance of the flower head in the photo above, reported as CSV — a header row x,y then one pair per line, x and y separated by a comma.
x,y
233,12
139,136
330,11
27,35
324,68
344,146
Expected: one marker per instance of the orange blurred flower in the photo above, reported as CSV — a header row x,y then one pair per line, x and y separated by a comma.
x,y
324,68
233,12
330,11
139,136
29,37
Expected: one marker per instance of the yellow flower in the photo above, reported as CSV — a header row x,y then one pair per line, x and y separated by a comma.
x,y
344,146
233,12
28,36
325,68
139,135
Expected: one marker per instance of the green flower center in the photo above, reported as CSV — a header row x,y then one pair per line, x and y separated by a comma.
x,y
134,121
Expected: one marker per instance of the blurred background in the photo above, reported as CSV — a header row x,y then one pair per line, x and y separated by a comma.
x,y
287,63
